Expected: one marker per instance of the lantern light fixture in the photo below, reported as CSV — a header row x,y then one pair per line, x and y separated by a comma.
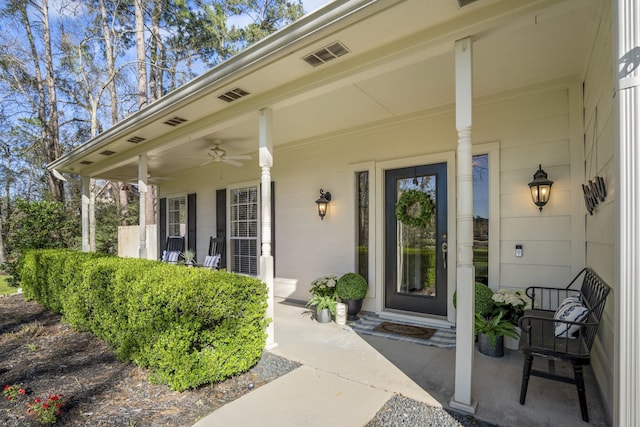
x,y
540,188
322,202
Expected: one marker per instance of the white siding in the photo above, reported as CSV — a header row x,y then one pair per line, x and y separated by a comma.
x,y
534,128
599,160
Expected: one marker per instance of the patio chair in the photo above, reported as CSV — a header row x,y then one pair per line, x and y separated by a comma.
x,y
215,254
562,326
173,249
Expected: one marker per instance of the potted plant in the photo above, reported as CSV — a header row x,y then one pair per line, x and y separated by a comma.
x,y
324,285
189,257
352,289
323,297
491,332
325,307
512,304
485,304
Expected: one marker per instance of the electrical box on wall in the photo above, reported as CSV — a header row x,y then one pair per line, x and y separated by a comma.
x,y
518,250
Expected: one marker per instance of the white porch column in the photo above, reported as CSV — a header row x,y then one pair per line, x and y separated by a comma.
x,y
142,189
85,213
462,399
266,258
92,215
627,295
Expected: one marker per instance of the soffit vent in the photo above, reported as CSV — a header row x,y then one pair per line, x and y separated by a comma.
x,y
326,54
463,3
107,152
86,162
233,95
175,121
136,139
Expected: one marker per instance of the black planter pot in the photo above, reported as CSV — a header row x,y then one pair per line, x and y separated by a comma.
x,y
353,308
485,347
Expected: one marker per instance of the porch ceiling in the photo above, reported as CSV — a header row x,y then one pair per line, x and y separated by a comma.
x,y
400,62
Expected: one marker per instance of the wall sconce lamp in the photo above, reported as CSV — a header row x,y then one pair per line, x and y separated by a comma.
x,y
540,188
322,202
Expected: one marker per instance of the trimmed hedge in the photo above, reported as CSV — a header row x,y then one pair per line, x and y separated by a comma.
x,y
190,326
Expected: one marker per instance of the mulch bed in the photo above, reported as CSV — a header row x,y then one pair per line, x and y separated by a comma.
x,y
45,356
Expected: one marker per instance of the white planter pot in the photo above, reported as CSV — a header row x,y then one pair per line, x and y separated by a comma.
x,y
341,313
512,343
323,316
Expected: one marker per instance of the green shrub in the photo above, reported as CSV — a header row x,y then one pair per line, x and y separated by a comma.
x,y
352,286
190,326
484,302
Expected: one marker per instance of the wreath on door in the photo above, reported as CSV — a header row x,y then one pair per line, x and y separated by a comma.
x,y
414,208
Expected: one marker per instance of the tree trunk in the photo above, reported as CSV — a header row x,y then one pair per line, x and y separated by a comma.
x,y
122,199
54,150
140,55
151,204
46,116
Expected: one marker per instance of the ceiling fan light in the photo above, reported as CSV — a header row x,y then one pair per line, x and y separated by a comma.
x,y
218,152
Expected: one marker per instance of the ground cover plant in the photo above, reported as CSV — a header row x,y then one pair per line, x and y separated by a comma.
x,y
5,286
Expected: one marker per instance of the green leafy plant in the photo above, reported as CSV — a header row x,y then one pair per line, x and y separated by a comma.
x,y
46,411
483,297
352,286
494,327
324,286
511,303
323,301
13,391
189,257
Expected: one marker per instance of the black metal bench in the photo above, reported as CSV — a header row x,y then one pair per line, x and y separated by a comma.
x,y
538,337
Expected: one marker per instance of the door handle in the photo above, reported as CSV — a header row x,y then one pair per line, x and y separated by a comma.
x,y
444,247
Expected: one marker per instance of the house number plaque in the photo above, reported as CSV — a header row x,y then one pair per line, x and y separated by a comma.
x,y
595,192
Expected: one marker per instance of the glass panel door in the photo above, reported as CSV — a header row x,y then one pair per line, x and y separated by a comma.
x,y
416,239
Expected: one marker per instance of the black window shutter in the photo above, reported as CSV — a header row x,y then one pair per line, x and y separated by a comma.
x,y
162,226
221,219
191,222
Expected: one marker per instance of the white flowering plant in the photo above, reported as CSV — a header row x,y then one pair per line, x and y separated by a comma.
x,y
511,303
324,286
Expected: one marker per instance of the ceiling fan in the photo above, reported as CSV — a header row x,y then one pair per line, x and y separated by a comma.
x,y
217,154
150,179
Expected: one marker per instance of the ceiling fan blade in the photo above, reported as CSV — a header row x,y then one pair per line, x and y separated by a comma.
x,y
239,157
208,162
231,162
160,178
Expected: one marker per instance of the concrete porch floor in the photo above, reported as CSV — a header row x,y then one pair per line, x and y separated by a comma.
x,y
345,378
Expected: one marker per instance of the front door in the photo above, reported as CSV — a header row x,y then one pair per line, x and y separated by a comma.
x,y
416,239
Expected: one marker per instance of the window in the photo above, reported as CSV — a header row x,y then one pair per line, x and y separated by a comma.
x,y
244,227
481,217
362,224
176,216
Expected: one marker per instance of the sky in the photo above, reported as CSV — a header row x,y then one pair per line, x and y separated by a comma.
x,y
311,5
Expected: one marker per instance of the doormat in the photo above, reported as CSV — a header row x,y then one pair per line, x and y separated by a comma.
x,y
371,324
405,330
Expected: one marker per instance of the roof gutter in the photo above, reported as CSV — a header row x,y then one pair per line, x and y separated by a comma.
x,y
272,47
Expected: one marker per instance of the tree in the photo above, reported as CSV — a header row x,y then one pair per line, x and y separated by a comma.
x,y
66,75
40,225
24,72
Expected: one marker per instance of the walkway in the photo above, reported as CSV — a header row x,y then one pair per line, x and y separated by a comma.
x,y
346,378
